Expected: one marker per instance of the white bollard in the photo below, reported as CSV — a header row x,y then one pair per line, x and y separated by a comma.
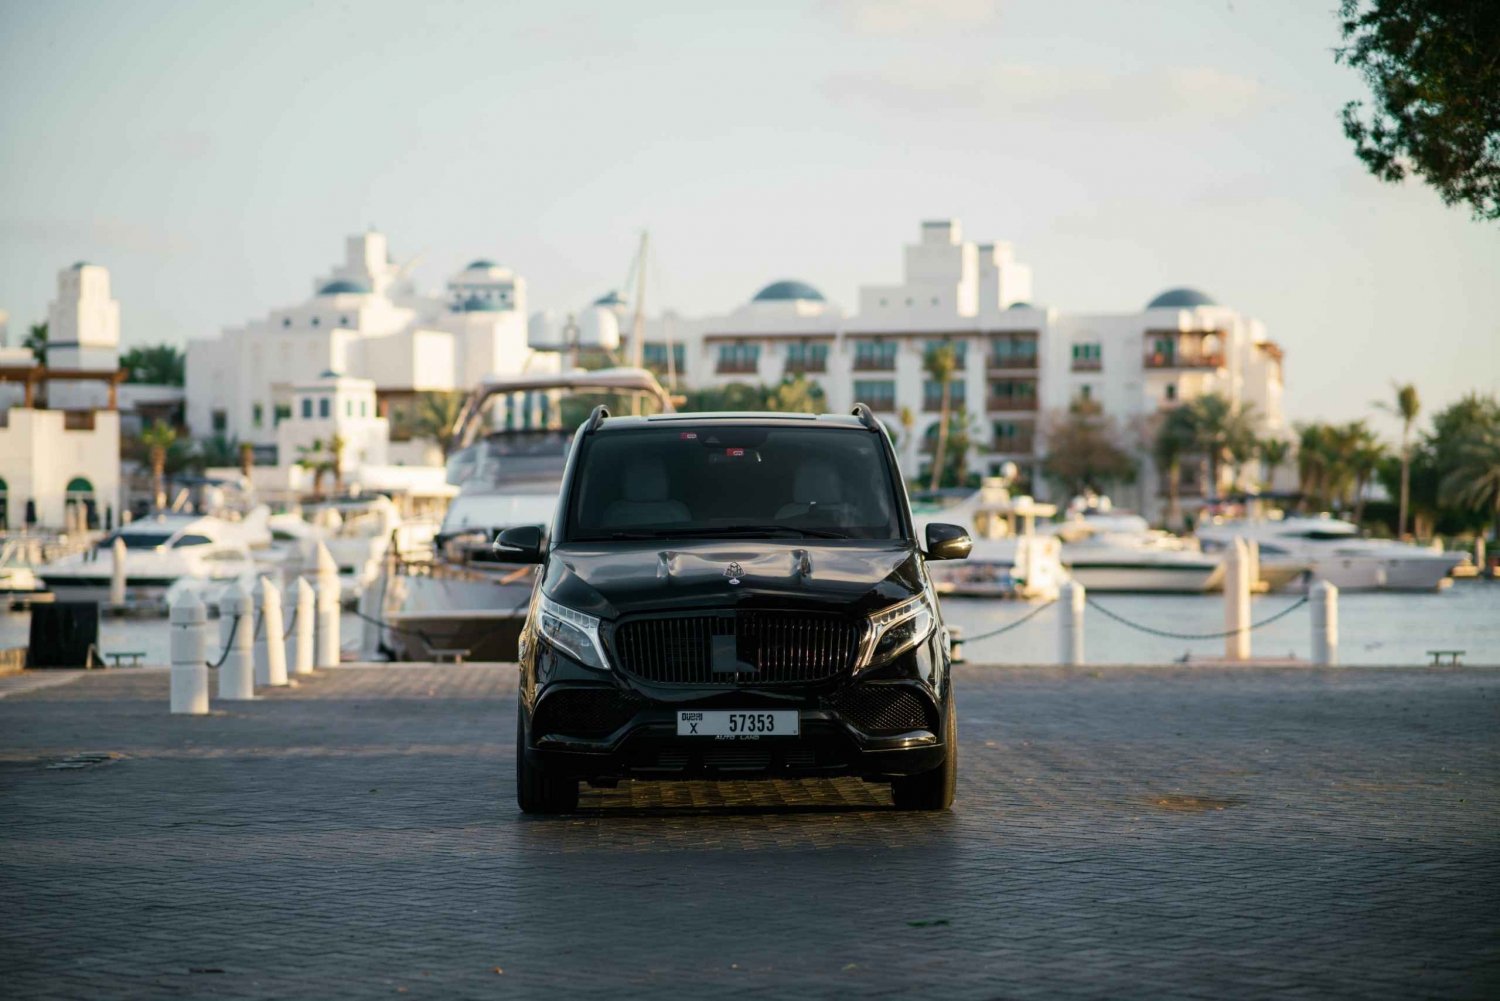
x,y
302,640
270,644
117,573
189,625
1070,623
1252,557
1324,598
329,606
1237,601
237,630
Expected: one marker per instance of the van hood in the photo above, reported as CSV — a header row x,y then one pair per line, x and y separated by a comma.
x,y
851,576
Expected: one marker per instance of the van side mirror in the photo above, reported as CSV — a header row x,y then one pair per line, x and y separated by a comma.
x,y
948,542
522,544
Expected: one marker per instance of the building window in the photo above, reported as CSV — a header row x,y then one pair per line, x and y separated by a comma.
x,y
348,408
655,356
1012,394
1171,391
875,356
1015,351
932,395
343,321
315,321
220,421
283,411
286,321
1085,392
323,407
739,357
1088,357
935,300
960,350
257,414
79,505
804,356
364,408
878,394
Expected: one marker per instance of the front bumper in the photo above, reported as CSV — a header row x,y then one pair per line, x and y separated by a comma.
x,y
876,730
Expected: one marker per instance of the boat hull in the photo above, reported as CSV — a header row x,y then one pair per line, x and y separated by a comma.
x,y
427,618
1181,578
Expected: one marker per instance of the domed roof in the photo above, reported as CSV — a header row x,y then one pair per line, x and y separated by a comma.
x,y
788,290
1020,305
483,264
1181,298
344,287
610,298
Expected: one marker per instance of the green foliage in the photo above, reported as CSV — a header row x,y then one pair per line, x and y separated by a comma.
x,y
955,468
1435,84
36,342
793,394
1335,462
1454,469
1085,451
431,415
158,365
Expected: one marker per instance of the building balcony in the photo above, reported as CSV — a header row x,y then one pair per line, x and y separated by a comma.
x,y
1168,359
736,368
1013,446
78,420
1010,363
1010,403
934,404
874,364
1088,365
810,366
880,404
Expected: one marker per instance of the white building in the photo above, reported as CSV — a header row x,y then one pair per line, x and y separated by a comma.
x,y
1018,362
59,423
365,320
334,406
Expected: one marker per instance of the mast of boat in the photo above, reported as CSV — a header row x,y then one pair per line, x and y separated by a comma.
x,y
638,322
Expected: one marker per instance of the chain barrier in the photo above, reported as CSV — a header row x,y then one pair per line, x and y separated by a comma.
x,y
228,645
1011,625
1152,631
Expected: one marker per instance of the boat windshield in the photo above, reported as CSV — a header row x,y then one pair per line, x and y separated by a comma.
x,y
733,482
525,461
137,540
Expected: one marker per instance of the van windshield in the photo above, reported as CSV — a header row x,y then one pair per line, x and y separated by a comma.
x,y
685,482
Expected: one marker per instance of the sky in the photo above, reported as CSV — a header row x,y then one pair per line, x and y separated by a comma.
x,y
214,156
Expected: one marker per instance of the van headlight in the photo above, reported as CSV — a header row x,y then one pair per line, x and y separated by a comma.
x,y
572,632
890,633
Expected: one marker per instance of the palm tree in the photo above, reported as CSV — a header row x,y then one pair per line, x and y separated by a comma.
x,y
158,438
247,459
1273,452
336,446
312,457
434,416
940,364
1407,406
795,395
36,342
1221,430
1175,436
1474,481
1364,458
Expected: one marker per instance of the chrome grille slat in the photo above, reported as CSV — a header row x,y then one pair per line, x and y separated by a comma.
x,y
783,647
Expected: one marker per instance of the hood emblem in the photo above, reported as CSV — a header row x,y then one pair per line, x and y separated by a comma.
x,y
734,572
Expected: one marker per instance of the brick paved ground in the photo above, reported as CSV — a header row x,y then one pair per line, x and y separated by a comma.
x,y
1148,833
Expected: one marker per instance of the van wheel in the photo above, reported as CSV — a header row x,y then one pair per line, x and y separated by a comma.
x,y
536,791
932,790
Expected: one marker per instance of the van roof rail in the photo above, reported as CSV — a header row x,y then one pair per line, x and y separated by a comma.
x,y
866,416
596,417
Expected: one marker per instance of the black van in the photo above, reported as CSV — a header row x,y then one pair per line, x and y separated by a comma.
x,y
733,596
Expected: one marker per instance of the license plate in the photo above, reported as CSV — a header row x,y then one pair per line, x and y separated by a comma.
x,y
750,723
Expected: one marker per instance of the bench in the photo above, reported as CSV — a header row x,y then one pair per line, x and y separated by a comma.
x,y
134,655
1452,655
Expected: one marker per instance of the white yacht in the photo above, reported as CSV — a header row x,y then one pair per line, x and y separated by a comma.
x,y
159,550
359,533
1108,550
465,598
1335,552
1009,558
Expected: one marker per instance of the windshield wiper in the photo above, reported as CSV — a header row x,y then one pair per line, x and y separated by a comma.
x,y
809,533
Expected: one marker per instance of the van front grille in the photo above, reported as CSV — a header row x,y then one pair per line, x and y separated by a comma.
x,y
737,648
